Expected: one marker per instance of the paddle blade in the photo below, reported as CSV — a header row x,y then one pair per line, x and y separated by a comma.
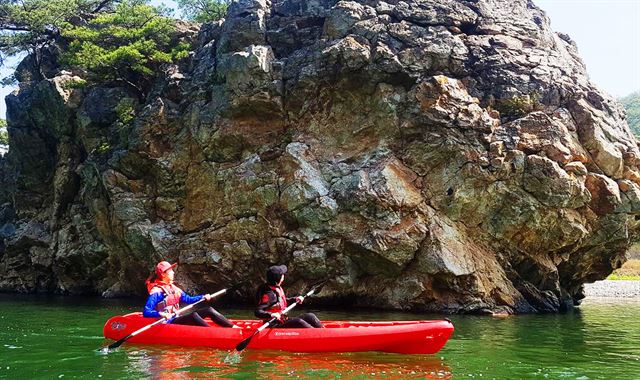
x,y
317,287
242,345
117,344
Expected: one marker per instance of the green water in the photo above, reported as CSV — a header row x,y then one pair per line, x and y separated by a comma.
x,y
57,338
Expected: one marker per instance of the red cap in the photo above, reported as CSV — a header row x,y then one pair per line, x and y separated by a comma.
x,y
164,266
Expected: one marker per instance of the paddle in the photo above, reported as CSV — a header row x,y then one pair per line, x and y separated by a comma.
x,y
164,319
315,289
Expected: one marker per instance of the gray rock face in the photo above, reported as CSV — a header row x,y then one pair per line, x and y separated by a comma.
x,y
440,155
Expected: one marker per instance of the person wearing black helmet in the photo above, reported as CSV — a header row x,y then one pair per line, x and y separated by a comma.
x,y
272,301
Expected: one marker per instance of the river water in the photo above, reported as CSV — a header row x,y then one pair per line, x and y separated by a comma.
x,y
59,338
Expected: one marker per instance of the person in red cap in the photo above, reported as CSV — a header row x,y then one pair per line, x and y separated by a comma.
x,y
272,301
165,297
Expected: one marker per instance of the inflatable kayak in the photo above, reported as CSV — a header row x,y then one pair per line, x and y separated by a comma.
x,y
406,337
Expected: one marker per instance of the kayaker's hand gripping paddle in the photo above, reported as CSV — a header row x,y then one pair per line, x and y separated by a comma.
x,y
315,289
182,311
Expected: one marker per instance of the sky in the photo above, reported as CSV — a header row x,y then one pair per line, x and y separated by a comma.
x,y
607,33
608,36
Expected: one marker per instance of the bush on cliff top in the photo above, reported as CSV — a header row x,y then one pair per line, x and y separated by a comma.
x,y
203,10
127,45
111,40
30,25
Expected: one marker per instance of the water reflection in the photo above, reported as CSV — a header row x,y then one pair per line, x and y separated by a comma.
x,y
43,338
174,363
596,341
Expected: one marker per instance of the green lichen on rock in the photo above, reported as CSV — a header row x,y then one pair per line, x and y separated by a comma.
x,y
518,106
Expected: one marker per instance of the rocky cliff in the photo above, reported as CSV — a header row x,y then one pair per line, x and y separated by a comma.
x,y
440,155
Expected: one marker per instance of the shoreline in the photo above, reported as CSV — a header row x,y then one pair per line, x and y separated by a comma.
x,y
613,289
599,291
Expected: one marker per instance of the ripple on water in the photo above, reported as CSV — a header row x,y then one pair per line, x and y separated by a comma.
x,y
233,357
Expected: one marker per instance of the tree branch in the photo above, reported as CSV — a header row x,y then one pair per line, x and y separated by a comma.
x,y
15,28
103,4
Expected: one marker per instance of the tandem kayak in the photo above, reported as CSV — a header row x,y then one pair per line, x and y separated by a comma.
x,y
405,337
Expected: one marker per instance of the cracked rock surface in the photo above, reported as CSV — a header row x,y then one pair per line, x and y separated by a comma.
x,y
440,155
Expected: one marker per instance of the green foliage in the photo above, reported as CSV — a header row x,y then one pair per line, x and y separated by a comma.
x,y
126,45
4,136
632,104
629,271
28,25
623,277
111,40
74,83
103,148
518,106
126,112
204,10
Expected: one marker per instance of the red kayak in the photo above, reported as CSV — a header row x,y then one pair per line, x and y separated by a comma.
x,y
405,337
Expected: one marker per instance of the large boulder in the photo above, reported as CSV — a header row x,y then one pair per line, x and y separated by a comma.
x,y
440,155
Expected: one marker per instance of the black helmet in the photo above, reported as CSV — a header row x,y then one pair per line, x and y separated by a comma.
x,y
274,273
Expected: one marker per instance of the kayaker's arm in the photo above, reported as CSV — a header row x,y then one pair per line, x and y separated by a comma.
x,y
150,307
184,297
267,302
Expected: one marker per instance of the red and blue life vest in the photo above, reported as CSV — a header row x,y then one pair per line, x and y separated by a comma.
x,y
171,302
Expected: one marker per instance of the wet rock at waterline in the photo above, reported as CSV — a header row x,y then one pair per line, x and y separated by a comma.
x,y
426,155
